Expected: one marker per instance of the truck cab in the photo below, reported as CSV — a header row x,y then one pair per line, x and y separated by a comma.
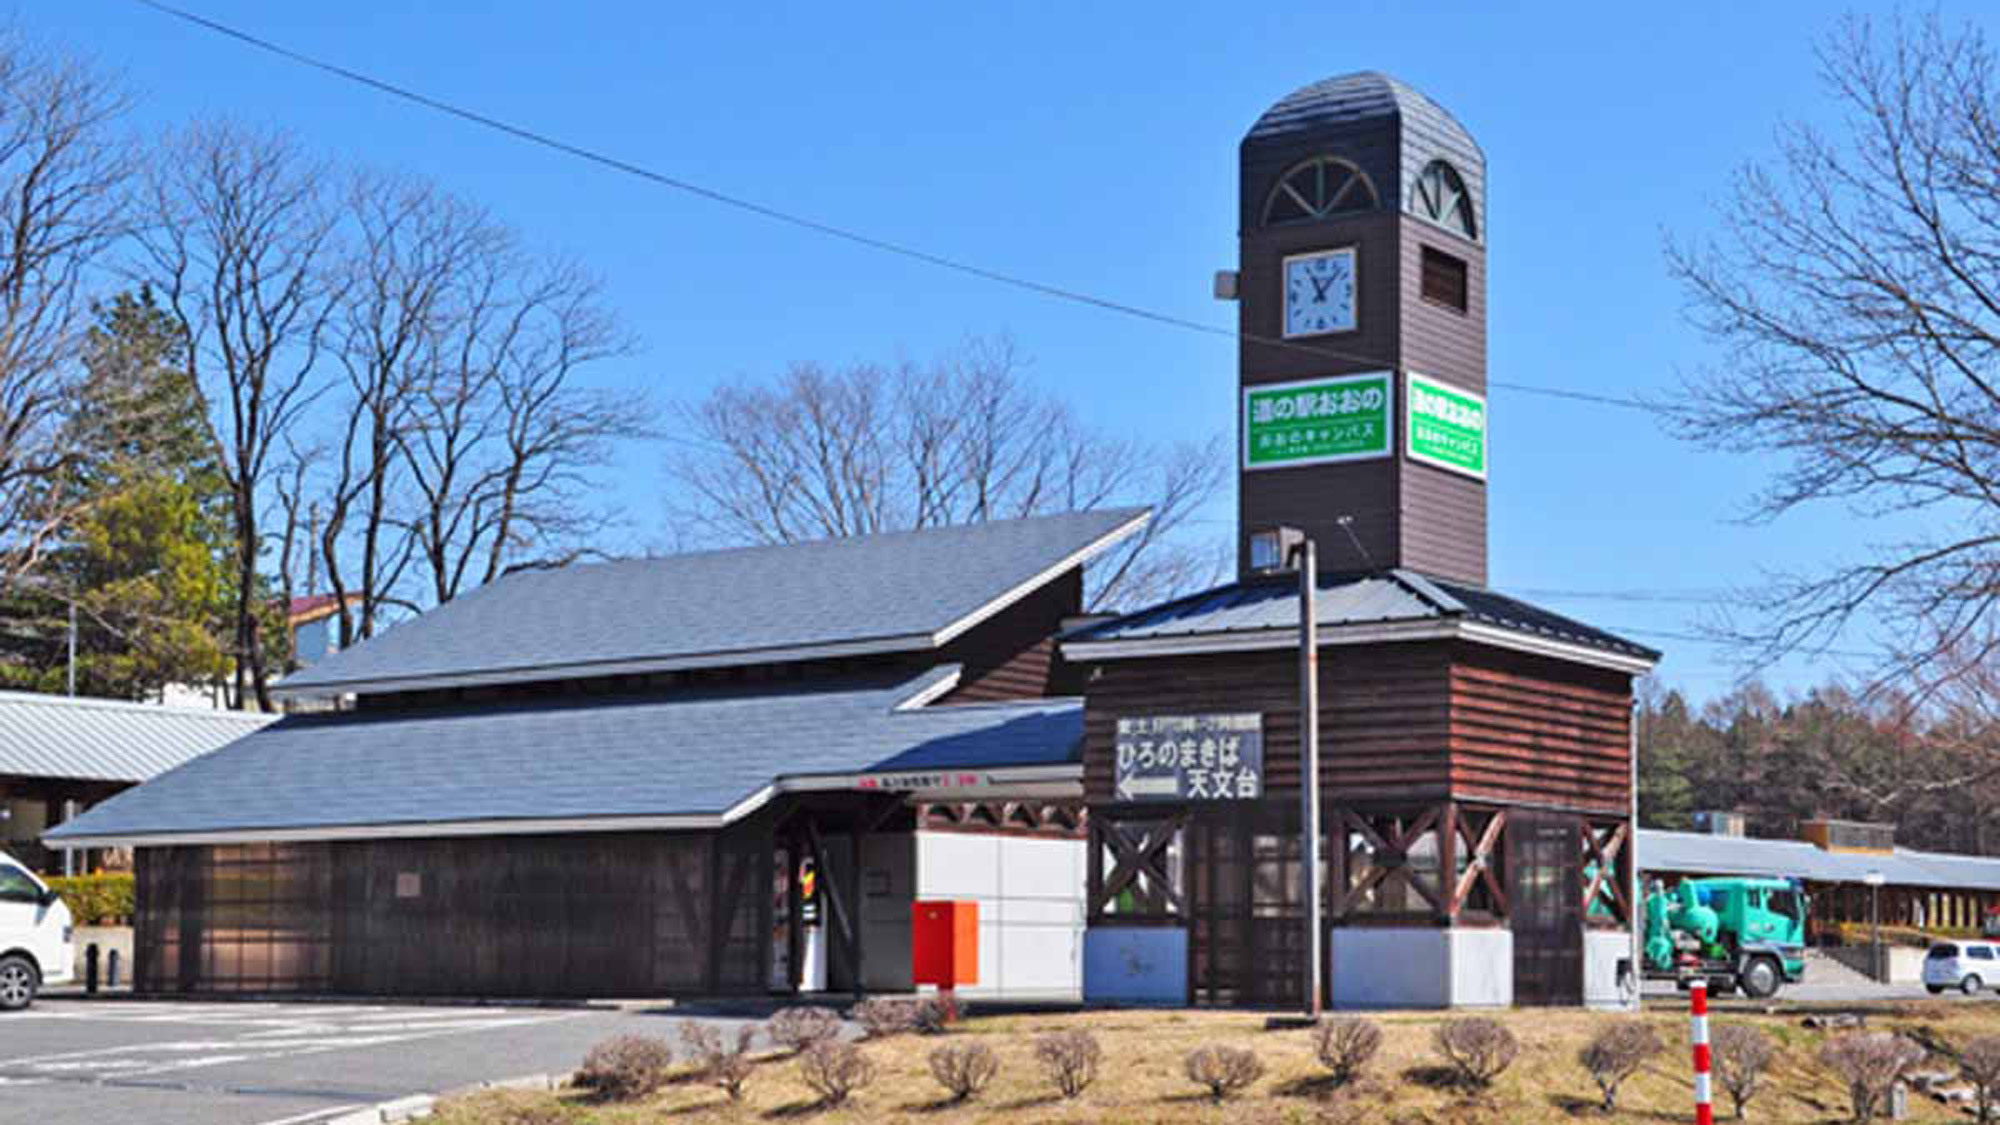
x,y
36,936
1743,933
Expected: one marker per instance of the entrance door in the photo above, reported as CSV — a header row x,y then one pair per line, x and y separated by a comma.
x,y
1545,907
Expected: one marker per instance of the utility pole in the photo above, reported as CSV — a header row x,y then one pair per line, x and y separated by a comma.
x,y
1309,767
70,673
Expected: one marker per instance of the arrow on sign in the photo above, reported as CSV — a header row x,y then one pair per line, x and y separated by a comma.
x,y
1133,787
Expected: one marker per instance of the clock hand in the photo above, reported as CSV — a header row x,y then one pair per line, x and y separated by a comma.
x,y
1319,287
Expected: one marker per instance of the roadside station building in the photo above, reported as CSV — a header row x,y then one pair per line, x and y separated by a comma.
x,y
608,779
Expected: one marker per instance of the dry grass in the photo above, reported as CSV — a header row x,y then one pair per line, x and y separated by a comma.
x,y
1143,1078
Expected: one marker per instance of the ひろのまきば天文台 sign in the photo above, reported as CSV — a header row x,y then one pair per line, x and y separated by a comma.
x,y
1190,758
1314,421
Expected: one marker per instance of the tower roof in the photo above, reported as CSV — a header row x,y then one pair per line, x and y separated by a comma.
x,y
1363,96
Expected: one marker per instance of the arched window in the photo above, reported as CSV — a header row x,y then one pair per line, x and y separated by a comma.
x,y
1319,188
1441,197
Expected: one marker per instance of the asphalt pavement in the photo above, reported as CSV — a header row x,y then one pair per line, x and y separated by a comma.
x,y
87,1062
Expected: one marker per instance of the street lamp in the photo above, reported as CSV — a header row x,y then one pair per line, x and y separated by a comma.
x,y
1273,552
1875,879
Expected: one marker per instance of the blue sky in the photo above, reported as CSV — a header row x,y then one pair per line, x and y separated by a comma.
x,y
1090,146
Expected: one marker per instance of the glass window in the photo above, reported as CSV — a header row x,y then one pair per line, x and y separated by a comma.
x,y
17,885
1943,952
1441,198
1980,952
1320,188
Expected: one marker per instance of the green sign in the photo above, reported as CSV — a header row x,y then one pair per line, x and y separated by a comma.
x,y
1447,427
1348,418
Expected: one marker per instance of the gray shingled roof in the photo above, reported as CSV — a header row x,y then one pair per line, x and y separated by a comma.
x,y
690,754
894,592
1386,597
1430,132
106,740
1696,853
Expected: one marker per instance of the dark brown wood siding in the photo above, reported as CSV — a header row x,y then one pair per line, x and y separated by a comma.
x,y
1012,655
1408,721
590,914
1535,729
1444,513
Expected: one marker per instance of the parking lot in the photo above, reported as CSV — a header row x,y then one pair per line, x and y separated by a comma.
x,y
76,1062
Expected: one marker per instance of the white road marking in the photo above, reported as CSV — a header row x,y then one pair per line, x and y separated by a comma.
x,y
316,1115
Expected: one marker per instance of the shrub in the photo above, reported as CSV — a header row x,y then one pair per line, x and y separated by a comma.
x,y
723,1062
1741,1056
1477,1049
799,1028
835,1070
105,899
1616,1053
881,1016
626,1067
1870,1062
1345,1046
933,1015
964,1069
1224,1070
1070,1059
1979,1062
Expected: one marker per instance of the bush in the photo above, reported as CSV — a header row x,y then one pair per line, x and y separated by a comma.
x,y
626,1067
1477,1049
1616,1053
1741,1056
1070,1059
933,1015
881,1017
1979,1062
724,1063
964,1069
97,900
1871,1063
835,1070
799,1028
1224,1070
1344,1046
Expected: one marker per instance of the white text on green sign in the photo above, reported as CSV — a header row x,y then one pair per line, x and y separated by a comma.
x,y
1348,418
1447,426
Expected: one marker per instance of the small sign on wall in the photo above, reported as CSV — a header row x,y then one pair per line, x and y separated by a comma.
x,y
1190,757
409,884
1317,421
1447,427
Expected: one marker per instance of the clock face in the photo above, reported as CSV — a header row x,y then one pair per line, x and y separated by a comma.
x,y
1319,293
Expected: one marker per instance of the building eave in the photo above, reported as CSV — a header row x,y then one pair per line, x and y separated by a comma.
x,y
1386,632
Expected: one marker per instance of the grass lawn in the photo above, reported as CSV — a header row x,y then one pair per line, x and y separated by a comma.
x,y
1142,1078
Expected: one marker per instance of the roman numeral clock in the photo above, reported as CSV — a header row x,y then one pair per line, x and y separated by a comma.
x,y
1361,298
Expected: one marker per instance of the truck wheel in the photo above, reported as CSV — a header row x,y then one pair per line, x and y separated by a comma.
x,y
1760,978
1971,985
18,982
1934,989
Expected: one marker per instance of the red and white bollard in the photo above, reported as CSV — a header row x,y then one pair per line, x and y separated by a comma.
x,y
1704,1109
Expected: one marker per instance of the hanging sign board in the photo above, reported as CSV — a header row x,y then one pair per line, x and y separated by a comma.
x,y
1447,427
1190,758
1315,421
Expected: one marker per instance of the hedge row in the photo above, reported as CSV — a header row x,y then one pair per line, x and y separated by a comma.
x,y
97,900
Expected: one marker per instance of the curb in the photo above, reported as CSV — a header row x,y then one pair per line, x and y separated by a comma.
x,y
419,1106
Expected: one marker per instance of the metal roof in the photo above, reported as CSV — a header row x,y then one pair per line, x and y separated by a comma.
x,y
905,591
76,739
1698,853
1385,597
691,754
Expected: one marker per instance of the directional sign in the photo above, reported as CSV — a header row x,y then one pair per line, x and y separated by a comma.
x,y
1190,757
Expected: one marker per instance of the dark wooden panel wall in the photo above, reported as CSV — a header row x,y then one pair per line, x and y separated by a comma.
x,y
1406,721
1012,655
610,914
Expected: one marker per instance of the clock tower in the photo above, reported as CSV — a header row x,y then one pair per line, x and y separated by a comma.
x,y
1362,305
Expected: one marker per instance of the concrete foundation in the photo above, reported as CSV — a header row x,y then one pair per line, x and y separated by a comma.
x,y
1422,968
1603,952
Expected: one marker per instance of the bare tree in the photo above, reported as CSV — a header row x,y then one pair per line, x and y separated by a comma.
x,y
505,433
240,240
413,246
64,171
817,453
1854,293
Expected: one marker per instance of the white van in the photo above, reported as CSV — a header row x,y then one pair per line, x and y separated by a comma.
x,y
1968,966
36,936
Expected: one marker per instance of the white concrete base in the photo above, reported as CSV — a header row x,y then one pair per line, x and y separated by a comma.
x,y
1603,951
1422,968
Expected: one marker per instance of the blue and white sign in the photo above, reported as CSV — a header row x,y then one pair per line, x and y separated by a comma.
x,y
1190,757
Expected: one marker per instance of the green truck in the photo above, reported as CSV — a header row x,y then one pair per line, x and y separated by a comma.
x,y
1735,933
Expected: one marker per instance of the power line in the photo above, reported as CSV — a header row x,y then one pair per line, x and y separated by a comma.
x,y
830,230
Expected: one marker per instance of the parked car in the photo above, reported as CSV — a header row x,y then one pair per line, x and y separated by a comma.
x,y
1968,966
37,936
